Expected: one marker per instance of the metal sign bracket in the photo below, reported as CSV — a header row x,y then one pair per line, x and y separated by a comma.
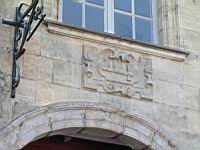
x,y
22,23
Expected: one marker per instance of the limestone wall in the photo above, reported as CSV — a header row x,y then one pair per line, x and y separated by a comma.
x,y
66,64
182,30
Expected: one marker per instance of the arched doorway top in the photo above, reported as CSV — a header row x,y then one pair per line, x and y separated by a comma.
x,y
133,130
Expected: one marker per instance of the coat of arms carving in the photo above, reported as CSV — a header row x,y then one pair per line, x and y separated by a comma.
x,y
117,72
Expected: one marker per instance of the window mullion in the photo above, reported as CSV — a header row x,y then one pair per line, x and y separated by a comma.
x,y
133,19
110,16
61,7
105,15
83,13
154,22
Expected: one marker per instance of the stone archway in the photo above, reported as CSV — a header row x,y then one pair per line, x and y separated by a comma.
x,y
133,130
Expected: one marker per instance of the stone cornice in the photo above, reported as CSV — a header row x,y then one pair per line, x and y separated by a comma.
x,y
112,40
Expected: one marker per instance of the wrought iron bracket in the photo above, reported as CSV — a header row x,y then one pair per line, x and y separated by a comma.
x,y
22,23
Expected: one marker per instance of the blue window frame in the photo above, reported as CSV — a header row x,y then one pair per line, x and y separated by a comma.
x,y
127,18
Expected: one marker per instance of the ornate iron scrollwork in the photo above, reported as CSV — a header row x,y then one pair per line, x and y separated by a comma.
x,y
22,23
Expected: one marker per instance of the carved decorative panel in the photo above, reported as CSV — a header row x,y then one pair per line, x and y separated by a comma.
x,y
118,72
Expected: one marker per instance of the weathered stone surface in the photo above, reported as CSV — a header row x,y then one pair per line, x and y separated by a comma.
x,y
188,141
37,68
67,73
36,41
191,73
178,95
186,119
169,71
50,93
120,103
60,48
82,95
6,62
146,109
6,37
26,91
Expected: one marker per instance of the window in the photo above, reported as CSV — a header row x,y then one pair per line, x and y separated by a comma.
x,y
127,18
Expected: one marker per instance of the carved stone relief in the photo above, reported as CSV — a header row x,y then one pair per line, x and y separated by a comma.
x,y
117,72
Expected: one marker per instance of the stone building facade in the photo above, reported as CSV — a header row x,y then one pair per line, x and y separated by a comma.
x,y
78,82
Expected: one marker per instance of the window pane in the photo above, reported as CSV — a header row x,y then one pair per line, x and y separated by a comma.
x,y
143,30
123,25
94,18
143,8
98,2
124,5
72,12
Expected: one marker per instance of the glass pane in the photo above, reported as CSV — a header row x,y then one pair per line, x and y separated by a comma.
x,y
123,25
143,30
143,8
98,2
94,18
124,5
72,12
